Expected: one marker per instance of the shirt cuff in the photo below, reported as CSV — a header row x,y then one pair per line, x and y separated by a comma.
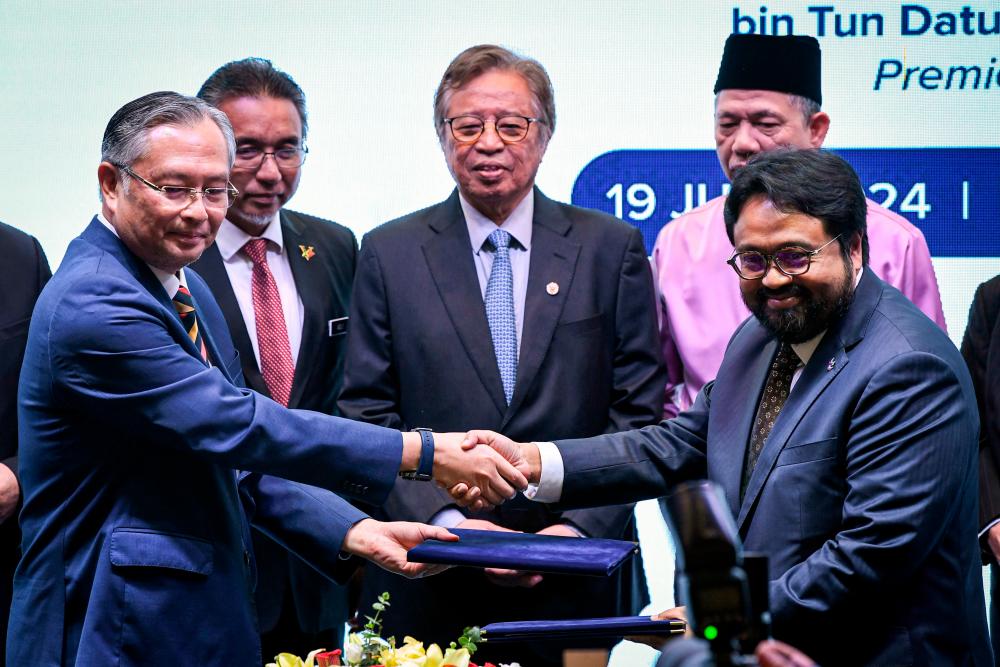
x,y
986,528
449,518
550,482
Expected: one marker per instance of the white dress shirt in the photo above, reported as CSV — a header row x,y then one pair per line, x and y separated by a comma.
x,y
239,268
518,225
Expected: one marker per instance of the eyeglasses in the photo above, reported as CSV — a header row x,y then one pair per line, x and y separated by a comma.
x,y
181,196
510,129
251,158
753,265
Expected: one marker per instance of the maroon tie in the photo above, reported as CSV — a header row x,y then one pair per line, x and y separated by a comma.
x,y
272,334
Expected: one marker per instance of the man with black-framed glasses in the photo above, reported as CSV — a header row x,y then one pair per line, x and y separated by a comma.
x,y
842,429
283,280
501,306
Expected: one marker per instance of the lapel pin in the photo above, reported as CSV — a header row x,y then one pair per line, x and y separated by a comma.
x,y
552,289
307,252
830,364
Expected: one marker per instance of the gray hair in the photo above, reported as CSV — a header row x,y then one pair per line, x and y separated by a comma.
x,y
477,60
126,134
805,106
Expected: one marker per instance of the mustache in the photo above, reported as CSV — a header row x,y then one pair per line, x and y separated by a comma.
x,y
783,292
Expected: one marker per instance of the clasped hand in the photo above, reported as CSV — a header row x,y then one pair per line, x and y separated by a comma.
x,y
469,492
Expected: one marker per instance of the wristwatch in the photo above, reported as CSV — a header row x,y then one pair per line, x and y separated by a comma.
x,y
425,467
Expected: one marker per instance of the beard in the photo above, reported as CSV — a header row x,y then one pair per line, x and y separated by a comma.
x,y
816,311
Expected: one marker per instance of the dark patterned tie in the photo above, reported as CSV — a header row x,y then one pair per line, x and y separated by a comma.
x,y
184,305
779,383
500,311
272,334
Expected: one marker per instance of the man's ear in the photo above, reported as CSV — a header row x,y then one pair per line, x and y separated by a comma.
x,y
819,125
108,179
857,255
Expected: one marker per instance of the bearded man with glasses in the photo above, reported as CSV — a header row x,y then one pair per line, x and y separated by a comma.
x,y
842,429
283,281
501,306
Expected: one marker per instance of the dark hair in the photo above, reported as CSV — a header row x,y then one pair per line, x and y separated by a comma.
x,y
477,60
253,77
125,136
809,181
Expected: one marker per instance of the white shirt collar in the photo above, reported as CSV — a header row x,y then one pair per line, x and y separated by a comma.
x,y
518,223
804,351
170,281
231,239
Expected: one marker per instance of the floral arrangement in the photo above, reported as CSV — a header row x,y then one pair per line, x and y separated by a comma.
x,y
368,649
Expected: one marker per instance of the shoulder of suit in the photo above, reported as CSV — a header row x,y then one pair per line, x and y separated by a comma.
x,y
13,241
587,221
319,225
989,292
415,223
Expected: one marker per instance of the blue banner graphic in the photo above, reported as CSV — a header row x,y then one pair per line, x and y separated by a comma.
x,y
951,194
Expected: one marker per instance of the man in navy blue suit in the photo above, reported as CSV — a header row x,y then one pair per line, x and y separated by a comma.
x,y
143,461
842,428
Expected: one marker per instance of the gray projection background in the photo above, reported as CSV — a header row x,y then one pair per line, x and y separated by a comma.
x,y
633,92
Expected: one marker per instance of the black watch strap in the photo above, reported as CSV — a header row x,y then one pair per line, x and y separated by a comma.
x,y
425,467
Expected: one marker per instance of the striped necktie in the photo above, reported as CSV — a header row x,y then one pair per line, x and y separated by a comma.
x,y
184,305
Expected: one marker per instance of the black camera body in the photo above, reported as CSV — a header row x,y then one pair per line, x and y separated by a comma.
x,y
725,590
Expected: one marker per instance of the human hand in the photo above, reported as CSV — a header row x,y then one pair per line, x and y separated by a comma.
x,y
772,653
482,468
524,456
386,544
677,613
10,493
501,576
993,539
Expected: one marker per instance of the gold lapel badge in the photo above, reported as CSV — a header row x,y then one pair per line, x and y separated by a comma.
x,y
307,252
552,289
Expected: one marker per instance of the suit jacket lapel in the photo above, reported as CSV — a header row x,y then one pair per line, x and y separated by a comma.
x,y
737,385
829,359
207,332
101,237
449,258
309,283
553,260
213,270
811,383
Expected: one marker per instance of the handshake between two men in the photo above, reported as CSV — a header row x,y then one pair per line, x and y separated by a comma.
x,y
480,469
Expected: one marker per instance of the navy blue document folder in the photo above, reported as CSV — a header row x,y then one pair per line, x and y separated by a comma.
x,y
581,628
527,551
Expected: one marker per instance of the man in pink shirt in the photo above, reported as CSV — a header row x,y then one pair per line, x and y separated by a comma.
x,y
768,95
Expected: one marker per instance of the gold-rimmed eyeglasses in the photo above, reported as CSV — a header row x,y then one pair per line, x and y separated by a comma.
x,y
511,129
182,196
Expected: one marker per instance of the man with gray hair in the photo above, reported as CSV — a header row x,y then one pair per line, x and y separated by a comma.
x,y
768,96
283,281
500,306
143,461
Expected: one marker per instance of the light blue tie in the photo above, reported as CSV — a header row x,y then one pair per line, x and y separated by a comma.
x,y
500,311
